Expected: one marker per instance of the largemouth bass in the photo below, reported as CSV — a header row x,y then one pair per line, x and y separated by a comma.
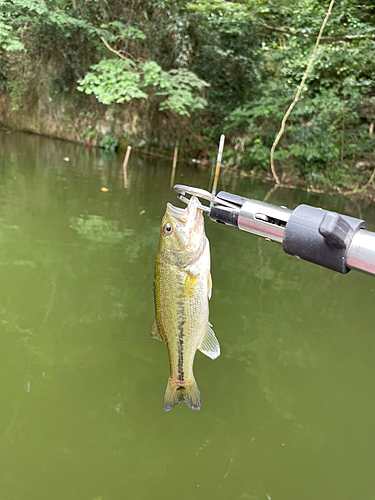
x,y
182,288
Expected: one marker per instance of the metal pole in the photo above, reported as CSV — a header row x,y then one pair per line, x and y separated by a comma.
x,y
255,216
361,252
269,221
335,241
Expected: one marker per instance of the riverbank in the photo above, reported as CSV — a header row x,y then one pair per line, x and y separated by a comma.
x,y
366,193
86,122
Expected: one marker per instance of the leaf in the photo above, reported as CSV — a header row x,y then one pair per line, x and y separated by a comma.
x,y
113,80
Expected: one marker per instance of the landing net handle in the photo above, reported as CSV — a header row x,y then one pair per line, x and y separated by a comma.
x,y
337,242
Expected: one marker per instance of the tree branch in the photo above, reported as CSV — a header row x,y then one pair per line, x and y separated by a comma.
x,y
369,183
287,29
299,90
128,58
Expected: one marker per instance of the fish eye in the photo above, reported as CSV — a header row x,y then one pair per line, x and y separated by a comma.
x,y
167,228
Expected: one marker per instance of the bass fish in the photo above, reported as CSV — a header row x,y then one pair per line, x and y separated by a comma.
x,y
182,288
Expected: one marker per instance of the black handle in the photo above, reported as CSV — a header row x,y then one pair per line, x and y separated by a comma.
x,y
320,236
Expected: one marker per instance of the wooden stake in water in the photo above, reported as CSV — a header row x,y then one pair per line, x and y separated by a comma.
x,y
218,164
125,164
174,165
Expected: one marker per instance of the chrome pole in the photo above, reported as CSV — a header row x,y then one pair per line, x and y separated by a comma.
x,y
361,252
332,240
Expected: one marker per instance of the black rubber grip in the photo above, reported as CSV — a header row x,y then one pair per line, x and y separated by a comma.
x,y
320,236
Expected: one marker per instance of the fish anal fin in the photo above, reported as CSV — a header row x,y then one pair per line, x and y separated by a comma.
x,y
209,285
190,285
210,345
155,334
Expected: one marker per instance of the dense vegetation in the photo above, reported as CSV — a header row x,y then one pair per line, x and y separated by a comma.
x,y
213,66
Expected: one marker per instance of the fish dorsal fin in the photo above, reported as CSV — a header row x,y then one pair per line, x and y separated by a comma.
x,y
210,345
155,334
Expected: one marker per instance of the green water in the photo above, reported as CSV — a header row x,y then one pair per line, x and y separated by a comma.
x,y
288,409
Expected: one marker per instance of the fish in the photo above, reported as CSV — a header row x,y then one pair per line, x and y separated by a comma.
x,y
182,289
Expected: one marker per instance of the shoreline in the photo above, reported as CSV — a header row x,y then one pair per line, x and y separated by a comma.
x,y
366,193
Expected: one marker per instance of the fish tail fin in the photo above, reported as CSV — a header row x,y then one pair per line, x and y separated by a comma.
x,y
186,391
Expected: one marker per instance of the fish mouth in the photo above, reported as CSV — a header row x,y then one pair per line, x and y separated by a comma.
x,y
188,236
177,213
187,215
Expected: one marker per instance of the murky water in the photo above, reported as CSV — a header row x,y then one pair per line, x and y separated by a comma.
x,y
288,410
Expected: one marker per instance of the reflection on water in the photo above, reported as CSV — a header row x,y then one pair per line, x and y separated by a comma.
x,y
287,410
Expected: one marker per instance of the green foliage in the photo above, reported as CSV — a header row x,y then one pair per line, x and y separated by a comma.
x,y
178,87
125,32
109,143
227,51
8,41
117,80
112,80
231,66
328,131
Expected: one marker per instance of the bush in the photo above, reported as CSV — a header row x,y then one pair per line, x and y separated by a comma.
x,y
109,143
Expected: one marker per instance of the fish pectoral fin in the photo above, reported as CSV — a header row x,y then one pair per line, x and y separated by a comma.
x,y
155,334
209,286
190,284
210,345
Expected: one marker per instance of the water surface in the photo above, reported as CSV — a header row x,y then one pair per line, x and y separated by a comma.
x,y
288,409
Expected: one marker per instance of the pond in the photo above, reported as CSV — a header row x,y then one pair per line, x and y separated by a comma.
x,y
288,409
